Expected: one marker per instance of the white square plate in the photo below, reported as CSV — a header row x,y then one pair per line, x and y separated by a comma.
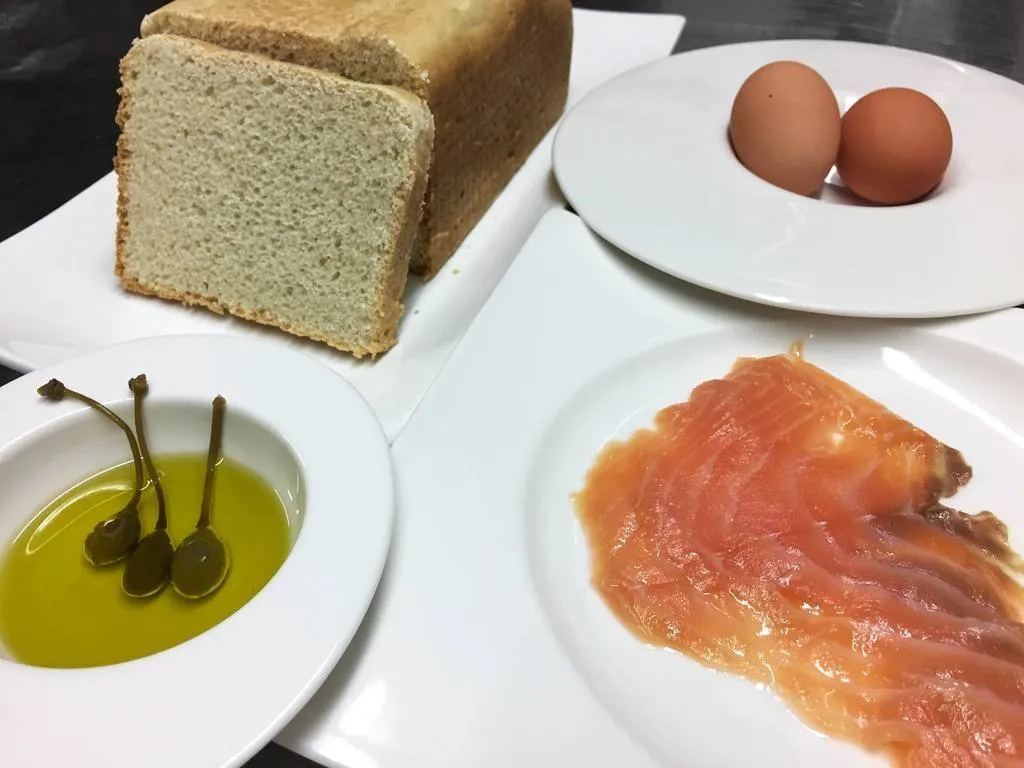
x,y
59,296
486,645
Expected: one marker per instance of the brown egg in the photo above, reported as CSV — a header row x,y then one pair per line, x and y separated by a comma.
x,y
896,146
785,126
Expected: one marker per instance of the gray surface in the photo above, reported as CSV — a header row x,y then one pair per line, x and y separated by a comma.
x,y
986,33
58,63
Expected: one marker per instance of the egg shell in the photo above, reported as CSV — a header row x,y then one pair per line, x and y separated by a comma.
x,y
896,146
785,126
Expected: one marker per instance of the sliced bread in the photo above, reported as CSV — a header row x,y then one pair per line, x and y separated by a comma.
x,y
495,73
274,192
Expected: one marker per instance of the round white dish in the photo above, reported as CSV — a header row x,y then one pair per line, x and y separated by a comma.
x,y
673,707
645,161
225,693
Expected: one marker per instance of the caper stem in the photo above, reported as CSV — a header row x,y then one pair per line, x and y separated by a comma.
x,y
140,388
55,390
212,457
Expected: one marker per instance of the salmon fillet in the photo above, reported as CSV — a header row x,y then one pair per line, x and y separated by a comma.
x,y
782,526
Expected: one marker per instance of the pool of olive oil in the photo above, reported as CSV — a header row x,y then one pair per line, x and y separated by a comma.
x,y
58,611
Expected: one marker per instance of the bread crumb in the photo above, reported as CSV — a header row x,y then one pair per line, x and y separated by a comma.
x,y
287,218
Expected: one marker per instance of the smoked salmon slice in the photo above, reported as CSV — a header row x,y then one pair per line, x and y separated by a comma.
x,y
783,526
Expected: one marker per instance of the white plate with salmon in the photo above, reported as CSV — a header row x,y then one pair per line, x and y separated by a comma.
x,y
673,537
765,519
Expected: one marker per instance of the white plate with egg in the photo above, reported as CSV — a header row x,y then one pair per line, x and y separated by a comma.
x,y
646,161
212,699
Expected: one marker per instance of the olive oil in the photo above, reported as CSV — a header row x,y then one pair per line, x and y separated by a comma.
x,y
58,611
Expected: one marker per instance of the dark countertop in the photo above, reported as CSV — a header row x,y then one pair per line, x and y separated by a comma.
x,y
58,82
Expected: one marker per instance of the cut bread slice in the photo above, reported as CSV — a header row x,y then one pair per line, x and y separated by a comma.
x,y
495,73
271,191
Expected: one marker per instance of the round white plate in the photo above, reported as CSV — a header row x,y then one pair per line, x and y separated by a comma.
x,y
215,700
679,711
646,162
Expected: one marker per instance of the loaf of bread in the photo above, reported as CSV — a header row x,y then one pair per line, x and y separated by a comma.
x,y
494,72
278,193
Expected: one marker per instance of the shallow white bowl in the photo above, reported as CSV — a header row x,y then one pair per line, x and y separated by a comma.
x,y
224,694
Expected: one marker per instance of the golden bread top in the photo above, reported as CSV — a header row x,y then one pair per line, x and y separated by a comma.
x,y
412,39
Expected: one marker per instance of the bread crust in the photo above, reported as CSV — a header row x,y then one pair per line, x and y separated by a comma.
x,y
389,311
190,299
388,308
494,72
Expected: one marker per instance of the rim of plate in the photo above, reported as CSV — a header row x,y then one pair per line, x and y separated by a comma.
x,y
229,690
734,280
